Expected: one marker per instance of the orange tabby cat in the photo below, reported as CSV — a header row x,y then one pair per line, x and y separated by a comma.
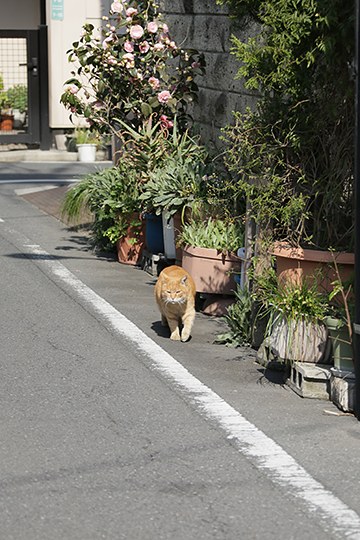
x,y
175,296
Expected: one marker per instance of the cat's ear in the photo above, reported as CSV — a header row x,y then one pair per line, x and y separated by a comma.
x,y
184,280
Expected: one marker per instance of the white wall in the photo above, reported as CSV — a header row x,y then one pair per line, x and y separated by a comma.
x,y
61,36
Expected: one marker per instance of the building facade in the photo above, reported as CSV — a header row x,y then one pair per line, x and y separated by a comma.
x,y
34,39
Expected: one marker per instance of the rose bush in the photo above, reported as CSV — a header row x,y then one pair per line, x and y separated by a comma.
x,y
131,70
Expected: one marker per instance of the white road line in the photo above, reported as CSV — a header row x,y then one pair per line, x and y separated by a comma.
x,y
269,457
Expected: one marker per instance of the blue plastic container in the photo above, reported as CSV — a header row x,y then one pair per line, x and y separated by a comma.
x,y
154,233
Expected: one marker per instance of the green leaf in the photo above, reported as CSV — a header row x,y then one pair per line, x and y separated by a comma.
x,y
146,109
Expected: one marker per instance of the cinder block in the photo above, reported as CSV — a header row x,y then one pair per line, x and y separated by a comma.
x,y
342,385
310,380
149,262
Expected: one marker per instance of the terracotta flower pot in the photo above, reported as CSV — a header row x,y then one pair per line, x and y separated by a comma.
x,y
293,264
130,247
212,271
6,122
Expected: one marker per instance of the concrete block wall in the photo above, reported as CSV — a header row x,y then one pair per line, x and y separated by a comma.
x,y
205,26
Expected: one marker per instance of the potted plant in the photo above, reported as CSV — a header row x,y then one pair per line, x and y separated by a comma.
x,y
171,190
112,197
130,70
339,319
6,113
293,153
86,144
340,325
209,249
170,163
18,99
131,79
295,330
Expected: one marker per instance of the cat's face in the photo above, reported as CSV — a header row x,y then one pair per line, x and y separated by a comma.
x,y
174,291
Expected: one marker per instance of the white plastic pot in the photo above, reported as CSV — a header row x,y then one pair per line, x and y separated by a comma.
x,y
87,152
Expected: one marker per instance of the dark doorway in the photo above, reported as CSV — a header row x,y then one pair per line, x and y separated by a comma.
x,y
22,96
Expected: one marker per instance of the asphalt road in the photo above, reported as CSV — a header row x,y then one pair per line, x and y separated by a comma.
x,y
104,434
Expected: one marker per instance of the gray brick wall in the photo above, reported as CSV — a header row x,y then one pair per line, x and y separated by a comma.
x,y
203,25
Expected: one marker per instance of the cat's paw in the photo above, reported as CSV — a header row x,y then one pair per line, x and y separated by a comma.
x,y
185,336
175,336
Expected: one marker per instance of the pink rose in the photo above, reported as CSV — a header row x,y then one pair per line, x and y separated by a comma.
x,y
130,12
136,31
129,46
164,96
144,47
165,28
154,83
152,27
117,7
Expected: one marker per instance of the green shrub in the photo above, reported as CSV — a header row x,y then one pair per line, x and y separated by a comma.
x,y
112,196
238,320
215,233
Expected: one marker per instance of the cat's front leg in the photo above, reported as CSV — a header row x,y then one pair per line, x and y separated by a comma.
x,y
174,329
188,321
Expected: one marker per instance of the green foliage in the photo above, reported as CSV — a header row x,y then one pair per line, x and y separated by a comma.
x,y
301,302
222,234
112,196
17,97
295,149
134,70
176,180
173,187
291,301
85,136
238,320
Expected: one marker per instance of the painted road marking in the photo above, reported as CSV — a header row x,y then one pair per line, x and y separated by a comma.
x,y
268,456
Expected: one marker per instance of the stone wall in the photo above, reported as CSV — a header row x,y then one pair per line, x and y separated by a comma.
x,y
205,26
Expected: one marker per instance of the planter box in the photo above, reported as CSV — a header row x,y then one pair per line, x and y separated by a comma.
x,y
211,271
293,264
299,341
